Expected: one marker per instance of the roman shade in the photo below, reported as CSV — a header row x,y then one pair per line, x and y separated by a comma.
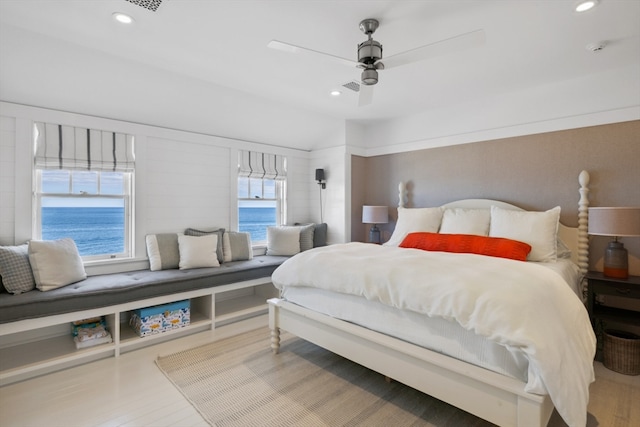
x,y
252,164
75,148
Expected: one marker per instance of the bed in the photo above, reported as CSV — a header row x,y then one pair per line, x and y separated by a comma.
x,y
435,319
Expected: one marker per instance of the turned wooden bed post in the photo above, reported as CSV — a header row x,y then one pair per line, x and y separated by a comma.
x,y
583,226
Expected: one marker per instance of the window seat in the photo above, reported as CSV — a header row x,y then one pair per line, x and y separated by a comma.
x,y
111,289
35,335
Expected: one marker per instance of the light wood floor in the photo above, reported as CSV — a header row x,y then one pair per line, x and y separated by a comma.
x,y
131,391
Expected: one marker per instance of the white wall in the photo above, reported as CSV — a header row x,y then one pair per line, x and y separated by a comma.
x,y
602,98
7,178
335,209
182,179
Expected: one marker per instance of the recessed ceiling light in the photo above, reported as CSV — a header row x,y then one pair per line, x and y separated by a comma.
x,y
335,93
583,6
122,18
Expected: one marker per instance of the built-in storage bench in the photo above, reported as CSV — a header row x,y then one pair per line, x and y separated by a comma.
x,y
38,345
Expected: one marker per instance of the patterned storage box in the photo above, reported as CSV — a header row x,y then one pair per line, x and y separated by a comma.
x,y
160,318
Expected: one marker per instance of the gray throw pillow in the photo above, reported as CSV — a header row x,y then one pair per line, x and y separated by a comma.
x,y
163,251
218,231
15,269
237,246
320,235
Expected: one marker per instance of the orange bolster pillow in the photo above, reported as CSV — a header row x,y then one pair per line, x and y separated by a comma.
x,y
468,243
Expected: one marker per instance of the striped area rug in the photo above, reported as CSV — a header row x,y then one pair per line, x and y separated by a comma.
x,y
240,382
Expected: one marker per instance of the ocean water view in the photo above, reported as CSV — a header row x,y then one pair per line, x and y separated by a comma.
x,y
255,221
100,230
95,230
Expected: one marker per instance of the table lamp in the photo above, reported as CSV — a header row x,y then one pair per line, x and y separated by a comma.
x,y
616,222
375,215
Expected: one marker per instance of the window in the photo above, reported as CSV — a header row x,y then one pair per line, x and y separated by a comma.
x,y
83,189
261,193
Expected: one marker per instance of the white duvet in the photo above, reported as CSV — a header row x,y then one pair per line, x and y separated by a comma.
x,y
520,305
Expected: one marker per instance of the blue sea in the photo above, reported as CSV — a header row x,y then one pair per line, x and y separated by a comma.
x,y
256,221
95,230
99,231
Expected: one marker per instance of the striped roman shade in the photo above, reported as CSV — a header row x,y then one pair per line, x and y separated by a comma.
x,y
68,147
261,165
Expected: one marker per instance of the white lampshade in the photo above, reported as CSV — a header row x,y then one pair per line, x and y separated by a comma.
x,y
618,222
375,214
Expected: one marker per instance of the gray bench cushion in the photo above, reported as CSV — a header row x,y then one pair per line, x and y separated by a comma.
x,y
111,289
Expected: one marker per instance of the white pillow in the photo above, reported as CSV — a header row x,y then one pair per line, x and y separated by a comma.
x,y
284,241
198,251
412,220
538,229
55,263
466,221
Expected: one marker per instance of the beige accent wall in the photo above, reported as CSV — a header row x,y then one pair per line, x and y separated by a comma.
x,y
535,172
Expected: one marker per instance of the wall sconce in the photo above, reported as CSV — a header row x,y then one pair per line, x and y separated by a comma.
x,y
375,215
320,178
615,222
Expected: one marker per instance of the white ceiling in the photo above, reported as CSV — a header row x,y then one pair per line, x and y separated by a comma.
x,y
208,58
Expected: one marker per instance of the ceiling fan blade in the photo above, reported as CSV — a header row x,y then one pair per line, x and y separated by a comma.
x,y
290,48
454,44
365,95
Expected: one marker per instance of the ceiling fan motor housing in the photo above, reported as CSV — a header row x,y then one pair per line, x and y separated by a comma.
x,y
369,52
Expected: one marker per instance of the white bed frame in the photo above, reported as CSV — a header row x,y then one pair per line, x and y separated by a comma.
x,y
486,394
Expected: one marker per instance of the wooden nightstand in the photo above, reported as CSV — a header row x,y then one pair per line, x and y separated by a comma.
x,y
598,284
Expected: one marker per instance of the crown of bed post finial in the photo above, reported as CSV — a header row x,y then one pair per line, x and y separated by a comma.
x,y
583,226
402,191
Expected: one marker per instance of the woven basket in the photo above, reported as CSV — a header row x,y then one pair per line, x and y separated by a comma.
x,y
622,352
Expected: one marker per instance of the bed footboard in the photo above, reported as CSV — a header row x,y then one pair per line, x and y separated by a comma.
x,y
488,395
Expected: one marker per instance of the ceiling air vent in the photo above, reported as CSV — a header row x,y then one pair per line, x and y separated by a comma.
x,y
151,5
352,85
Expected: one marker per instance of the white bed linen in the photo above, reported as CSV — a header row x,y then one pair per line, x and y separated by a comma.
x,y
444,336
519,305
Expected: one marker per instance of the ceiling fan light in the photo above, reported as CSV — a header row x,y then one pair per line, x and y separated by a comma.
x,y
583,6
369,76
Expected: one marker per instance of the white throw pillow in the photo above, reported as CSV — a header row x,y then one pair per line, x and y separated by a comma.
x,y
466,221
411,220
283,241
538,229
55,263
198,251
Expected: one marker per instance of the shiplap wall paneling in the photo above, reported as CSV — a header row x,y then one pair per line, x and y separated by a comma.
x,y
7,180
187,185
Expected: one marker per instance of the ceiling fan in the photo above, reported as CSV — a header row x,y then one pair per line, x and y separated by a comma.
x,y
370,54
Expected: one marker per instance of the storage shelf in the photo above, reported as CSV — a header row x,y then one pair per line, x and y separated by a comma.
x,y
38,346
46,352
129,337
240,308
617,315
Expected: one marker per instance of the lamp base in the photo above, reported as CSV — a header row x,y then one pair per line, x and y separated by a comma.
x,y
374,234
616,261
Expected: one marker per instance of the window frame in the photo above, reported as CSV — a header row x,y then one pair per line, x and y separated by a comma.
x,y
279,199
128,203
